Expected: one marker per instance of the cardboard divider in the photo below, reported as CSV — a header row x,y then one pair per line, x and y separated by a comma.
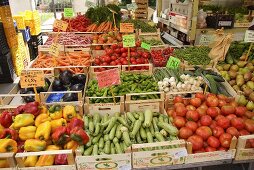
x,y
70,158
243,153
10,160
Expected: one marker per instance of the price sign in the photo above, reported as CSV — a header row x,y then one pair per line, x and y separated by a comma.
x,y
90,4
60,25
132,6
32,78
249,36
173,62
54,49
145,46
68,12
108,78
127,27
206,39
129,40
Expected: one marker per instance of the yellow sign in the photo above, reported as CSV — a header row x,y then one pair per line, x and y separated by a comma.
x,y
54,49
60,25
32,78
127,27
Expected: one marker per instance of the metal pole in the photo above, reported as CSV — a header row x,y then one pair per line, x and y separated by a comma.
x,y
54,8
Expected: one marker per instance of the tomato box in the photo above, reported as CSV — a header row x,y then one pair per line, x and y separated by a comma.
x,y
10,161
242,150
70,159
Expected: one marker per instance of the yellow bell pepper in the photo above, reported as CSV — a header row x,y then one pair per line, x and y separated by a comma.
x,y
43,131
27,132
34,145
23,120
69,112
71,145
44,110
55,112
41,119
57,123
4,163
47,160
30,161
8,145
1,129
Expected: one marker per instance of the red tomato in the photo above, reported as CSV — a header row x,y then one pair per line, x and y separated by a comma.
x,y
145,55
227,109
123,50
213,142
118,51
133,49
221,149
107,59
240,110
179,121
138,43
202,150
249,125
213,125
233,131
218,117
210,149
222,103
204,106
178,105
223,122
125,62
238,123
249,114
231,116
133,59
178,99
212,101
190,107
217,131
114,46
204,132
222,97
201,111
181,111
197,142
112,63
192,115
196,102
225,140
213,111
185,133
233,103
243,132
113,57
109,51
205,120
124,55
97,61
104,64
201,96
186,101
192,125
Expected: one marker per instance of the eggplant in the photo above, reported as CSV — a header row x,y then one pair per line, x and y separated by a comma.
x,y
44,88
58,86
77,87
65,77
25,90
28,99
68,97
78,78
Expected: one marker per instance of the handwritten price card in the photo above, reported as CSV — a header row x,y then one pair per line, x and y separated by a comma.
x,y
127,27
54,49
32,78
132,6
129,40
173,63
68,12
249,36
60,25
90,4
108,78
146,46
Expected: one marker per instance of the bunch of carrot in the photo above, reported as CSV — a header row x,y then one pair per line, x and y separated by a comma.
x,y
64,59
103,27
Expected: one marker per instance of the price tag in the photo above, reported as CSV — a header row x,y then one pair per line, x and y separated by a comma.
x,y
90,4
60,25
173,62
145,46
68,12
206,39
127,27
129,40
108,78
132,6
249,36
54,49
32,78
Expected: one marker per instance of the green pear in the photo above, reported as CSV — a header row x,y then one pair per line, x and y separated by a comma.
x,y
242,100
219,68
251,96
226,67
234,68
243,70
250,105
250,84
241,64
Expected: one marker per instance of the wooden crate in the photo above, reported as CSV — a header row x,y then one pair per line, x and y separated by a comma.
x,y
211,156
71,162
10,160
45,95
243,153
149,71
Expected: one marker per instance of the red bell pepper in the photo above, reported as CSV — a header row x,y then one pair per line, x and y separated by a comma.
x,y
19,110
75,122
33,108
20,146
61,159
60,136
10,134
6,119
79,135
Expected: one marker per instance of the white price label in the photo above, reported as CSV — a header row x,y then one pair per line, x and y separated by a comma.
x,y
249,36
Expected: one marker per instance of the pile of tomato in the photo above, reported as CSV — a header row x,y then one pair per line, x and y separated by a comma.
x,y
118,55
210,121
160,57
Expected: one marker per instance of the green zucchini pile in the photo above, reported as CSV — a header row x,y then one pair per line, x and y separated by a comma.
x,y
115,134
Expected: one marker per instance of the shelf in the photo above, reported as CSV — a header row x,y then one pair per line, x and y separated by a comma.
x,y
164,21
183,30
172,39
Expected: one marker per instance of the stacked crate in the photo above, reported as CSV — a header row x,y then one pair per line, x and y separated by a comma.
x,y
33,21
142,11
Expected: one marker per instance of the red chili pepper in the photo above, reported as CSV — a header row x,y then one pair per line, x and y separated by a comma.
x,y
79,135
33,108
10,134
60,136
61,159
6,119
75,122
